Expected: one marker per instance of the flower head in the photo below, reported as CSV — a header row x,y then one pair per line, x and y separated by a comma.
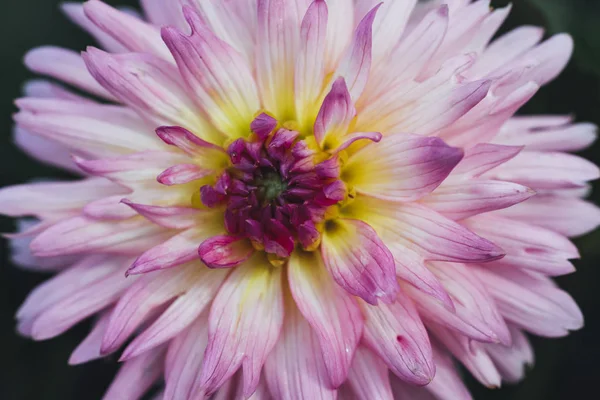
x,y
299,199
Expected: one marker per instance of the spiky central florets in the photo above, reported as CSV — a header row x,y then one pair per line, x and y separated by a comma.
x,y
275,192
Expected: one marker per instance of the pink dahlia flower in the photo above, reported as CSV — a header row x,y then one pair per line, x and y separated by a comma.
x,y
295,199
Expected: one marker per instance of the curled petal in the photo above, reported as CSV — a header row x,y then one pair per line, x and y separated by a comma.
x,y
225,251
335,115
359,261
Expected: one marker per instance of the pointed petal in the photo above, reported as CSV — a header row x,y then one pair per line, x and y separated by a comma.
x,y
89,128
89,348
279,24
310,64
358,260
424,231
356,63
295,369
512,361
568,216
462,200
527,246
150,85
470,353
84,235
216,74
135,305
184,360
537,306
134,34
244,324
64,65
175,251
483,157
335,115
368,376
168,217
397,335
136,376
545,170
333,314
402,167
180,314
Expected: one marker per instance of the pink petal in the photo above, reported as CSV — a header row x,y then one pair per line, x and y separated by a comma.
x,y
179,315
278,33
184,360
335,115
136,376
506,48
389,26
332,313
471,354
536,306
216,74
164,13
75,12
356,63
182,174
568,216
402,167
87,271
358,261
462,200
185,140
447,383
548,138
310,64
135,305
45,150
244,324
148,84
64,65
84,235
368,376
89,128
169,217
133,33
58,197
225,251
512,361
483,157
547,170
108,208
428,233
89,348
175,251
527,246
80,304
411,268
397,335
410,56
295,369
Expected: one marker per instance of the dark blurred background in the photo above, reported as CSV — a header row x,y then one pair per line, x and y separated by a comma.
x,y
566,368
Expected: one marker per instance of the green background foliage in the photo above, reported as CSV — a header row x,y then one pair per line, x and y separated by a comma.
x,y
565,368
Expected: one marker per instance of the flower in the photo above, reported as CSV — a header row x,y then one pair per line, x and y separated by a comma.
x,y
299,199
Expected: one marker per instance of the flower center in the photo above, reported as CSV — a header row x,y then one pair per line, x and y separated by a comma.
x,y
275,193
270,186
